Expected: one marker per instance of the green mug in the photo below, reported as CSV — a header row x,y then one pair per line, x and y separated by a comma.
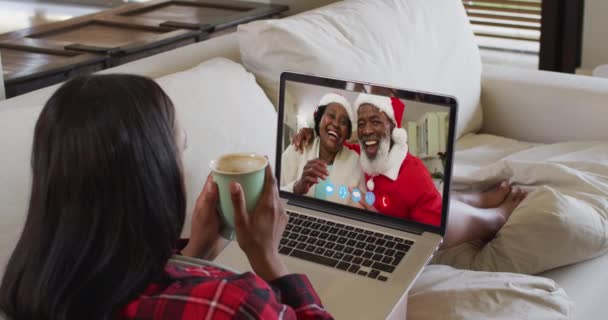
x,y
247,169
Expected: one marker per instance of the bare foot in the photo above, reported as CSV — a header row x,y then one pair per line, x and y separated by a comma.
x,y
488,199
501,214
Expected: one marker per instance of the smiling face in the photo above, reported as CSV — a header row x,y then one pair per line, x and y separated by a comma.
x,y
373,127
333,127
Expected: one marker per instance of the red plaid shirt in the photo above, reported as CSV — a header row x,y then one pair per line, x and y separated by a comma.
x,y
209,293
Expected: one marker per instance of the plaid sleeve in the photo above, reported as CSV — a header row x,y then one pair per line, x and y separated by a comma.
x,y
297,292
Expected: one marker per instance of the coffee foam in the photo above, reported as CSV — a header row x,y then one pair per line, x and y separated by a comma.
x,y
239,163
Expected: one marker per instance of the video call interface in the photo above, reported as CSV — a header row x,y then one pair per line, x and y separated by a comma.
x,y
365,148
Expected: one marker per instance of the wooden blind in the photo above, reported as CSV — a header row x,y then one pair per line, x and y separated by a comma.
x,y
506,24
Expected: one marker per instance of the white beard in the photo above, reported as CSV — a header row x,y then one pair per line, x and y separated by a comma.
x,y
381,163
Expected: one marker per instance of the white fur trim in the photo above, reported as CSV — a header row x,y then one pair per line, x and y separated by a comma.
x,y
339,99
397,154
381,102
399,136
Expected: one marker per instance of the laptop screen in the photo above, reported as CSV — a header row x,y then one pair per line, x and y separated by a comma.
x,y
369,150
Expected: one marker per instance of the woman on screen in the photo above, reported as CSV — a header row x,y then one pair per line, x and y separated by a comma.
x,y
325,169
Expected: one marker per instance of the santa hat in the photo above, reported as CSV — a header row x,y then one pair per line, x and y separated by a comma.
x,y
339,99
392,107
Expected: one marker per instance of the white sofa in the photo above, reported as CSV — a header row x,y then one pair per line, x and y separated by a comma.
x,y
520,104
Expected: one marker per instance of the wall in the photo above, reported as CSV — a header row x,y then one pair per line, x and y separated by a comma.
x,y
595,34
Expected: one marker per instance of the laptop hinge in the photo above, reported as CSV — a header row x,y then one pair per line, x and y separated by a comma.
x,y
356,216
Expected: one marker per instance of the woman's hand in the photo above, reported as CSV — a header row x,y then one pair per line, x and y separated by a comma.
x,y
205,241
313,171
302,139
259,232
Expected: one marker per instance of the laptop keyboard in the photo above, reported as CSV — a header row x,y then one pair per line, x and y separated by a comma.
x,y
355,250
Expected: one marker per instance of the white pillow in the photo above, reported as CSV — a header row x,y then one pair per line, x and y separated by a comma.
x,y
17,125
222,110
414,44
445,293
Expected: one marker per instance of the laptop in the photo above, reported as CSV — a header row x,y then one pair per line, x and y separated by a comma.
x,y
362,244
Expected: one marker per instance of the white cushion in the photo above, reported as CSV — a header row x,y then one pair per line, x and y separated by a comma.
x,y
223,110
414,44
563,220
445,293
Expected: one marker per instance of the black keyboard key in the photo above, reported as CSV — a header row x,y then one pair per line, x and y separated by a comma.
x,y
330,245
343,265
378,235
357,252
387,237
369,233
367,263
373,274
390,244
348,258
342,232
387,259
285,250
286,234
311,240
352,235
292,243
362,273
390,252
306,231
354,268
310,248
333,238
380,250
358,260
380,242
361,237
358,230
339,247
324,235
342,240
320,251
321,243
313,219
315,226
314,258
293,236
334,230
408,242
339,225
402,247
306,224
283,242
397,258
296,229
360,245
398,240
367,254
315,233
338,255
298,222
370,239
382,278
383,267
349,228
377,257
370,247
302,238
293,214
301,246
348,250
329,223
324,228
288,227
329,253
351,242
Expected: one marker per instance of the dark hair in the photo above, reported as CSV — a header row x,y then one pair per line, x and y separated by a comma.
x,y
107,202
318,115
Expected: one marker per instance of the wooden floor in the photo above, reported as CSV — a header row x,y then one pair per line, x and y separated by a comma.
x,y
21,14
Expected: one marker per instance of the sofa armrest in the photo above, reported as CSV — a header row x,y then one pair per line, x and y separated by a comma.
x,y
542,106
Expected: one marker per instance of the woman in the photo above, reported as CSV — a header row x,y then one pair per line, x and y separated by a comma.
x,y
325,167
107,207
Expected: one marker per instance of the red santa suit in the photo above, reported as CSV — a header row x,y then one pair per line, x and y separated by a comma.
x,y
405,188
